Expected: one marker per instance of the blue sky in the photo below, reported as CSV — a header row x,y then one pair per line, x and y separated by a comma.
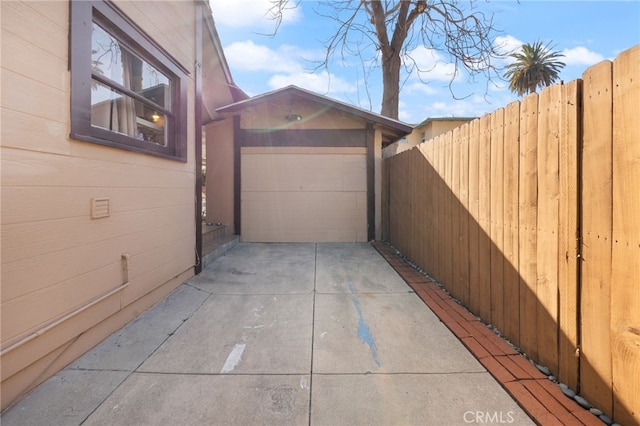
x,y
587,32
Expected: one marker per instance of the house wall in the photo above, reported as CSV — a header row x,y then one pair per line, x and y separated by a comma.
x,y
68,281
220,172
431,129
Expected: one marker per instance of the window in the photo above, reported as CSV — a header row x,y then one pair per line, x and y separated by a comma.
x,y
126,91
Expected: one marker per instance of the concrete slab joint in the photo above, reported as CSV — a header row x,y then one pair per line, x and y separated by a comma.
x,y
321,334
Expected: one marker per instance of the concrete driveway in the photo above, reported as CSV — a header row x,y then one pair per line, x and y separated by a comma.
x,y
319,334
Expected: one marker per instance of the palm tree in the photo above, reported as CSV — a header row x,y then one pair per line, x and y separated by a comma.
x,y
535,66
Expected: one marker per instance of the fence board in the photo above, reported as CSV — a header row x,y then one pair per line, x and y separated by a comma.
x,y
384,170
440,199
393,200
625,281
434,180
422,226
497,224
548,211
396,208
443,257
484,174
528,216
464,214
448,222
474,218
433,190
568,234
405,193
511,275
414,220
456,249
596,217
412,184
427,222
420,222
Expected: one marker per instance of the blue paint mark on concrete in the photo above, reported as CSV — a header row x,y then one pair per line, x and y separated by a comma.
x,y
364,333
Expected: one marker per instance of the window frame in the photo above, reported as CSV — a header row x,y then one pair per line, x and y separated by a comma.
x,y
109,17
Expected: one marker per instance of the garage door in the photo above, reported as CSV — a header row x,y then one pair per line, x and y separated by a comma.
x,y
291,194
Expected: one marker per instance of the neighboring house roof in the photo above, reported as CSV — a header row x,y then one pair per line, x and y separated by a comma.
x,y
432,119
392,130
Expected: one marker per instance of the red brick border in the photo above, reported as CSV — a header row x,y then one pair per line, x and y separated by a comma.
x,y
533,391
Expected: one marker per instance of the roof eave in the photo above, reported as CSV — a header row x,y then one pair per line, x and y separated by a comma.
x,y
235,108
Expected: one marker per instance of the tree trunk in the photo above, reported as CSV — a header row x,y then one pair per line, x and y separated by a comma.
x,y
390,84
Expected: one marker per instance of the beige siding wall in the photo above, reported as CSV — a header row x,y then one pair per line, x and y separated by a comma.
x,y
304,194
220,168
272,115
431,129
62,272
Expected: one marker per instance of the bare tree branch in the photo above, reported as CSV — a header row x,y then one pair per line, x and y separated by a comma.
x,y
395,28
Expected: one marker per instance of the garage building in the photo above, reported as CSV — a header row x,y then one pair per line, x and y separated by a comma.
x,y
307,167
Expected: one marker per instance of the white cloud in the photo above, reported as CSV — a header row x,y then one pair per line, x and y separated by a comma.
x,y
406,114
474,106
419,87
451,109
248,56
250,13
498,86
506,45
286,66
322,83
581,56
431,65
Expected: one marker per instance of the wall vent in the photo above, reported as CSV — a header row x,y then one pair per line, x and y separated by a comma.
x,y
100,207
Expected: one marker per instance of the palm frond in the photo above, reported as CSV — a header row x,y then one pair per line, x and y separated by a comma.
x,y
534,66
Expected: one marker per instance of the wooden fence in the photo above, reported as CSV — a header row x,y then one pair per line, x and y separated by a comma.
x,y
530,216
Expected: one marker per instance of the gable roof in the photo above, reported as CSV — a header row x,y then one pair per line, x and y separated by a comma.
x,y
391,129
